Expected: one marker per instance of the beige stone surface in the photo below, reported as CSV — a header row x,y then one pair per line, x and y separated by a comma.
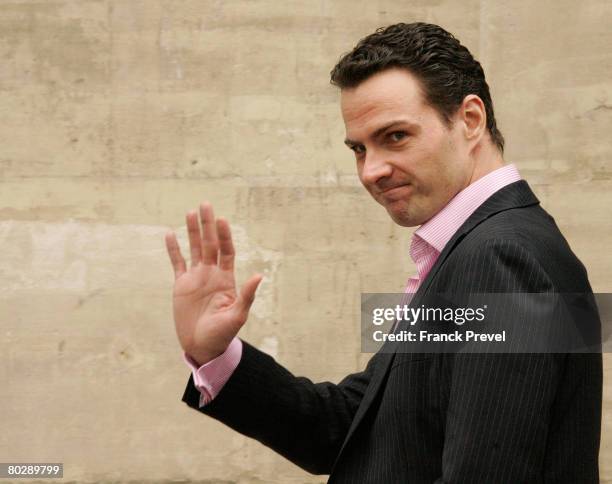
x,y
120,115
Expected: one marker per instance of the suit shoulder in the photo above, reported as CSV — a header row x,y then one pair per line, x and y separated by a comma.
x,y
526,236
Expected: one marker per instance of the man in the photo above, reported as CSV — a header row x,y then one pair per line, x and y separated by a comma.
x,y
420,120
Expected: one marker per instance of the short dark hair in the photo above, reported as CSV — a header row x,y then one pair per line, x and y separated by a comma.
x,y
446,69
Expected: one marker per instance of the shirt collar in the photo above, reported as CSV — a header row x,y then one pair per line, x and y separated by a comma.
x,y
439,229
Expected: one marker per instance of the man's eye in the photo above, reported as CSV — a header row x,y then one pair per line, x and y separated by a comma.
x,y
397,135
358,149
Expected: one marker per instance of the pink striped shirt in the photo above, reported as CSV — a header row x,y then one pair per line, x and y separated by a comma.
x,y
426,245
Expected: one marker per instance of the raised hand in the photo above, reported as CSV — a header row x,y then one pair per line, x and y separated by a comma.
x,y
208,311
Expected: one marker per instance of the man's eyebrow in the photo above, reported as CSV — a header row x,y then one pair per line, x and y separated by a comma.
x,y
391,124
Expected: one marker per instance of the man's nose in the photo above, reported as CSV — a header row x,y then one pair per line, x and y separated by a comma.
x,y
376,166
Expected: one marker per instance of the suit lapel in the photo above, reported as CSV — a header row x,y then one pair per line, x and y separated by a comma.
x,y
515,195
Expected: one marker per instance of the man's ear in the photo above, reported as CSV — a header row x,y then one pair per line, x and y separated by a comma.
x,y
474,116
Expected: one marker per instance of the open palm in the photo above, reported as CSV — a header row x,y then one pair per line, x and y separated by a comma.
x,y
208,311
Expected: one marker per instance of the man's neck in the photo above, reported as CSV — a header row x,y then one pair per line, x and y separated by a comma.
x,y
487,158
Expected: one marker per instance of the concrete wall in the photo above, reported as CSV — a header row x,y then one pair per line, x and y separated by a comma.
x,y
117,116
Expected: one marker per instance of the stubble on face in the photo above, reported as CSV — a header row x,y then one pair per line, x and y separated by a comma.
x,y
426,159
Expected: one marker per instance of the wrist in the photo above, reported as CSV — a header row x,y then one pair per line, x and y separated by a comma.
x,y
202,357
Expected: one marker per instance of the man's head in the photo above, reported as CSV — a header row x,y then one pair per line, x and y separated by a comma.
x,y
421,75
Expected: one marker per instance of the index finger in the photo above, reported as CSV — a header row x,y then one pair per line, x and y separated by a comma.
x,y
226,246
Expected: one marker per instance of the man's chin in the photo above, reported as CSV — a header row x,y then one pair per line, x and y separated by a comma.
x,y
402,217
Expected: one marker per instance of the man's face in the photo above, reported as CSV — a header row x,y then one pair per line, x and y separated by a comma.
x,y
407,158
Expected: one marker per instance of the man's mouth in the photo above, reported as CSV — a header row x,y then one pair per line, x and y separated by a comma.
x,y
396,192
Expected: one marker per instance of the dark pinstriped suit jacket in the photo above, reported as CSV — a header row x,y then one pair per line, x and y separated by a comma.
x,y
442,418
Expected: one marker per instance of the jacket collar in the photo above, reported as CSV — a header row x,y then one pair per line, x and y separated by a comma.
x,y
514,195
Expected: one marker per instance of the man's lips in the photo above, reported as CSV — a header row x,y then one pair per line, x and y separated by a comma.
x,y
397,191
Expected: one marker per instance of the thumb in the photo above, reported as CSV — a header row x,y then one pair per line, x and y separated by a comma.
x,y
247,296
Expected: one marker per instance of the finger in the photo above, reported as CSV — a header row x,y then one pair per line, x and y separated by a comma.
x,y
174,252
247,296
195,243
210,245
226,246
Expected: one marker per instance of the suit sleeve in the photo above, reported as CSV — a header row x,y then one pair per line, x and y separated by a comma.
x,y
305,422
499,405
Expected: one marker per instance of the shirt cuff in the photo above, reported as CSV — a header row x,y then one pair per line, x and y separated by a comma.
x,y
210,378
